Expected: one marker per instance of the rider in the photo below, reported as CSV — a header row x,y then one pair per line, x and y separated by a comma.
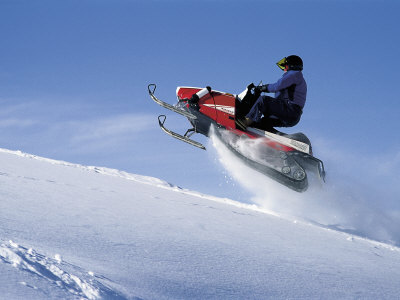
x,y
290,96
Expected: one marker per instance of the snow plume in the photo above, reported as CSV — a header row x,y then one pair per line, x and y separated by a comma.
x,y
369,207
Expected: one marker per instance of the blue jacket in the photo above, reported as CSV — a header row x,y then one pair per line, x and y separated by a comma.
x,y
291,86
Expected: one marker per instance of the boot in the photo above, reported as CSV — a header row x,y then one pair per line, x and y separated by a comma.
x,y
242,124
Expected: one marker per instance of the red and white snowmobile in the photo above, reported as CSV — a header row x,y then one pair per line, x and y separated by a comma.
x,y
285,158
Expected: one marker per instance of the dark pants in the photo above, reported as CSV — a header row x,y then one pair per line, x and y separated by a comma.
x,y
272,112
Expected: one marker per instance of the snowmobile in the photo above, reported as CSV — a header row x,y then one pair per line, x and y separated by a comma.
x,y
286,158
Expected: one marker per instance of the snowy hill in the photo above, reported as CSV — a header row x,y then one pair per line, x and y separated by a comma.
x,y
68,231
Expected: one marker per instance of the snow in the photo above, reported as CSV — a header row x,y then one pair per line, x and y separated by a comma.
x,y
69,231
369,208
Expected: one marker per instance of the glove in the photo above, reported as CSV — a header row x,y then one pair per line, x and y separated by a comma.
x,y
257,89
251,86
264,88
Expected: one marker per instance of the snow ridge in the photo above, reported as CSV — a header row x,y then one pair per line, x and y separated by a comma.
x,y
84,286
156,182
257,207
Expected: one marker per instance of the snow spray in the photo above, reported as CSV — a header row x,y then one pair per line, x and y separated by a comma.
x,y
343,203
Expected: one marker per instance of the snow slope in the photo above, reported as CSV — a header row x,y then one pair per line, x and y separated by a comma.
x,y
68,232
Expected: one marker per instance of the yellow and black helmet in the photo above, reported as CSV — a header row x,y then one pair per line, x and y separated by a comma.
x,y
293,62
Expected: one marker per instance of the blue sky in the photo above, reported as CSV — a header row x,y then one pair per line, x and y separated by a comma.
x,y
74,75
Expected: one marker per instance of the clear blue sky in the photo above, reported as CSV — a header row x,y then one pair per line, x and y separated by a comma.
x,y
73,76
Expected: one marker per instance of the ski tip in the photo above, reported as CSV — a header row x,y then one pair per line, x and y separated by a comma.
x,y
151,88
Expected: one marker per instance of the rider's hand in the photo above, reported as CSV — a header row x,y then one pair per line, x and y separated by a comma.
x,y
257,89
251,86
264,88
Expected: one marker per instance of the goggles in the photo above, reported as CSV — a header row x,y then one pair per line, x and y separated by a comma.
x,y
282,63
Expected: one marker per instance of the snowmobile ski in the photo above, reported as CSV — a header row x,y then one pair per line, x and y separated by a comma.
x,y
185,138
152,88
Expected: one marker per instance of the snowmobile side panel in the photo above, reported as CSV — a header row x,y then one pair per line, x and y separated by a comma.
x,y
219,107
216,105
186,92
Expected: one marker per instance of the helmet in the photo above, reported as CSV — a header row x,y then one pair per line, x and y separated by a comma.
x,y
293,62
